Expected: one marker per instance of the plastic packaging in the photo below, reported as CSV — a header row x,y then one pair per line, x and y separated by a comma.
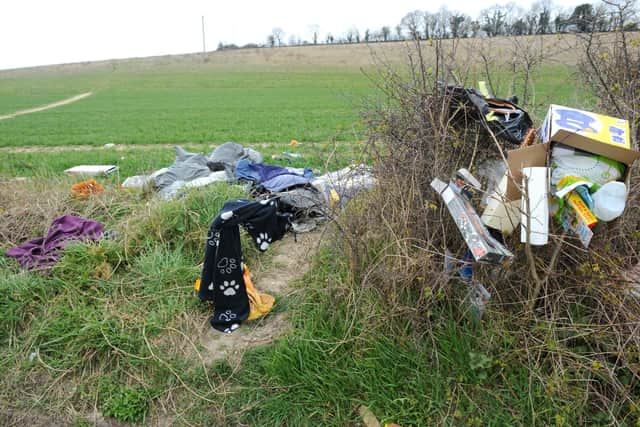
x,y
609,201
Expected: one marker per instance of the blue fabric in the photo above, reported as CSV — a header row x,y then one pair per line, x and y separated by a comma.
x,y
245,170
272,178
281,182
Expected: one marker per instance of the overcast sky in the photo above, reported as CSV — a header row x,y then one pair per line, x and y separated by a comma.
x,y
59,31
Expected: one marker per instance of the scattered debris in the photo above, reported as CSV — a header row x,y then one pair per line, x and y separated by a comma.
x,y
92,169
483,246
85,189
502,117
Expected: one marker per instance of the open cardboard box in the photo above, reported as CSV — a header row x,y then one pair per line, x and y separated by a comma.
x,y
595,133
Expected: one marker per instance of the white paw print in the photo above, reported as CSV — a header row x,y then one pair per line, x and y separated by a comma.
x,y
227,265
227,316
231,328
229,288
263,241
270,202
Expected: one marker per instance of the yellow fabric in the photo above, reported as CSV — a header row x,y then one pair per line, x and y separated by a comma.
x,y
259,303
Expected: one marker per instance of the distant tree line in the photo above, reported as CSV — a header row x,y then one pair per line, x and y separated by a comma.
x,y
544,17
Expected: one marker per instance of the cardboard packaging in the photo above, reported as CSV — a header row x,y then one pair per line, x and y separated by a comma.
x,y
476,236
594,133
582,212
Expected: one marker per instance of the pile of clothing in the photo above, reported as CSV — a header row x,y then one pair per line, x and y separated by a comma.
x,y
191,170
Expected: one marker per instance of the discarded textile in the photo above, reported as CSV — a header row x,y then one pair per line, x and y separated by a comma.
x,y
228,154
271,177
222,279
175,188
186,167
45,251
503,117
259,303
86,188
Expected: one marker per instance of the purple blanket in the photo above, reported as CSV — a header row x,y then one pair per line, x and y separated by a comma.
x,y
45,251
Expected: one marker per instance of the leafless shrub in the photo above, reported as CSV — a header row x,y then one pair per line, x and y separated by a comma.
x,y
610,64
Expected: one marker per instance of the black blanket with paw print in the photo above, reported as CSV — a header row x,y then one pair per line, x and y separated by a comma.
x,y
222,274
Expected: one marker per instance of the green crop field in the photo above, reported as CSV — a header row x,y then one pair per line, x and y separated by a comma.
x,y
178,106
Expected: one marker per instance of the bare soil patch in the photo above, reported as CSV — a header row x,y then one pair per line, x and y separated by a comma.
x,y
291,261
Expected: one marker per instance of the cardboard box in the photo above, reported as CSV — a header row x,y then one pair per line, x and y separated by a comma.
x,y
482,245
594,133
562,121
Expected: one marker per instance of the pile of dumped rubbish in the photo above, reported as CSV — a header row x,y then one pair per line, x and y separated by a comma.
x,y
280,200
573,170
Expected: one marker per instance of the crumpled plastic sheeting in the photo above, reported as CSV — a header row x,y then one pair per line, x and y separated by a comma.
x,y
346,182
186,167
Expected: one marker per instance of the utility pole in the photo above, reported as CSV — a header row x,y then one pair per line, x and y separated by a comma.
x,y
204,47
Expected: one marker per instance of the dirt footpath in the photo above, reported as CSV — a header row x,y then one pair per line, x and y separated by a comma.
x,y
291,261
47,106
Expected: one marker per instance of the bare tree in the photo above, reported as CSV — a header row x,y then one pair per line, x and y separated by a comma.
x,y
494,20
271,41
412,21
399,32
353,35
278,36
443,20
611,65
456,23
314,29
429,24
385,32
